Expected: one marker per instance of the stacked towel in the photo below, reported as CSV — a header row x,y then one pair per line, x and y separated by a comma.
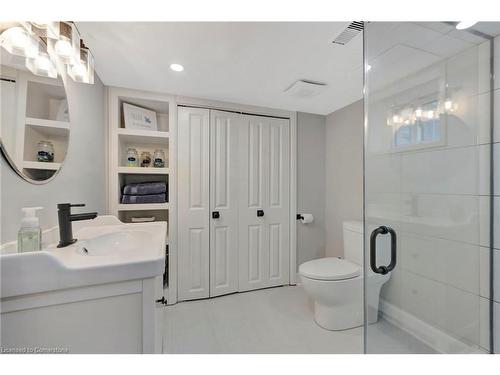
x,y
146,192
145,188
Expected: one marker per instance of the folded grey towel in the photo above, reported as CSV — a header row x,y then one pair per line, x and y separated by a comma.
x,y
152,198
145,188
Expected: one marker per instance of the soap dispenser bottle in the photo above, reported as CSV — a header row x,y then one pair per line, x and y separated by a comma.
x,y
29,237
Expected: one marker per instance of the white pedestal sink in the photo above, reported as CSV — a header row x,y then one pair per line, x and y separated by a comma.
x,y
96,295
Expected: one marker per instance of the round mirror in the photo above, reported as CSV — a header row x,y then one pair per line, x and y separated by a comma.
x,y
34,121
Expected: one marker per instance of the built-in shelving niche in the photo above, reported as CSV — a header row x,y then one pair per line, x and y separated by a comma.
x,y
121,139
45,120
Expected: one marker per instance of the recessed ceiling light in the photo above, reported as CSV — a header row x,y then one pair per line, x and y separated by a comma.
x,y
462,25
176,67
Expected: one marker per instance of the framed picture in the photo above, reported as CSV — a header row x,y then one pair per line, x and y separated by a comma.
x,y
139,118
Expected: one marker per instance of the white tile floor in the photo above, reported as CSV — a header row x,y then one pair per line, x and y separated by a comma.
x,y
276,320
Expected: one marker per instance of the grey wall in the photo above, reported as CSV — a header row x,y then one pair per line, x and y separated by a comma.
x,y
344,173
82,178
311,185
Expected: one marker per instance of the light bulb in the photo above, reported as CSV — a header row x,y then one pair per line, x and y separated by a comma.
x,y
430,114
42,65
418,112
448,104
395,119
64,48
17,41
176,67
78,71
462,25
43,62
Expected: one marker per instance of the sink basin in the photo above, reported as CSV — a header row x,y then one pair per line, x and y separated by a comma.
x,y
112,243
107,251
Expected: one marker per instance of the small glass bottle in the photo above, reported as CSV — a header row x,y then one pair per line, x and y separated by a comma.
x,y
132,157
159,159
45,152
145,159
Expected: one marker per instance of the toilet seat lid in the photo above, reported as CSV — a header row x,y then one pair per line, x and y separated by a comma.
x,y
329,269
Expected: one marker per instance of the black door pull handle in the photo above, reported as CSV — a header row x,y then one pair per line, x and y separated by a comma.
x,y
260,213
383,270
215,215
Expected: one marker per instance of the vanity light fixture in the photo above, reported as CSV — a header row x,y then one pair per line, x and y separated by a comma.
x,y
462,25
176,67
41,42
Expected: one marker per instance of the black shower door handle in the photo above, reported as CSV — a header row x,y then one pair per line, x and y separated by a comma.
x,y
373,250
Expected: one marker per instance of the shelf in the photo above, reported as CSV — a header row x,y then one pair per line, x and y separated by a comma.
x,y
41,165
143,207
49,127
143,136
139,170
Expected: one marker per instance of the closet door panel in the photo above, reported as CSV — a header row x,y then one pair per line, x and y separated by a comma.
x,y
193,203
224,127
254,177
278,210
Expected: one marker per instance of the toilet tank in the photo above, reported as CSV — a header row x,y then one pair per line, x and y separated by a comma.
x,y
353,241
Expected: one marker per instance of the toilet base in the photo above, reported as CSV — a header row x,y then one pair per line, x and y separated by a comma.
x,y
340,319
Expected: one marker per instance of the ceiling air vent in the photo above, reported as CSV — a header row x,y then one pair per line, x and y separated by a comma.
x,y
305,89
349,33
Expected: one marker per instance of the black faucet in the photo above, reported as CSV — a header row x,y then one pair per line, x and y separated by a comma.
x,y
65,220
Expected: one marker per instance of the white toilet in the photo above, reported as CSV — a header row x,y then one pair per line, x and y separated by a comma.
x,y
336,285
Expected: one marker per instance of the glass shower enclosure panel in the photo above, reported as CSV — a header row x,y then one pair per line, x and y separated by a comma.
x,y
428,130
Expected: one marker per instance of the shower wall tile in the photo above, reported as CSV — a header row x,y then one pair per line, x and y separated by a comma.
x,y
483,71
484,169
496,327
450,309
485,273
383,172
449,262
445,171
451,217
484,221
484,119
497,62
485,325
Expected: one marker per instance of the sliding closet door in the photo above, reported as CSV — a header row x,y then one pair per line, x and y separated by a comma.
x,y
264,208
223,202
193,203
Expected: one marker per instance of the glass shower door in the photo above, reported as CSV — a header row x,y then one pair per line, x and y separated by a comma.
x,y
427,187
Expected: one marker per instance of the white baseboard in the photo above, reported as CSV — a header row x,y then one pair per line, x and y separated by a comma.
x,y
429,335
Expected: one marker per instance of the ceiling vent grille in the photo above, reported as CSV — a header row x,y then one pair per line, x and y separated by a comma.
x,y
349,33
305,89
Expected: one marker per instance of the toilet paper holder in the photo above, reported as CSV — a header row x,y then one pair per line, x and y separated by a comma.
x,y
300,217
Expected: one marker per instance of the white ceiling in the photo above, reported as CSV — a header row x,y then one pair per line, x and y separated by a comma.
x,y
248,63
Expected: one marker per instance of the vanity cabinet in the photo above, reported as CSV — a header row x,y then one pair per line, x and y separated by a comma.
x,y
233,202
121,317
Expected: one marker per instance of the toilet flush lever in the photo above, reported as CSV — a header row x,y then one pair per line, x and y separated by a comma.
x,y
383,270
